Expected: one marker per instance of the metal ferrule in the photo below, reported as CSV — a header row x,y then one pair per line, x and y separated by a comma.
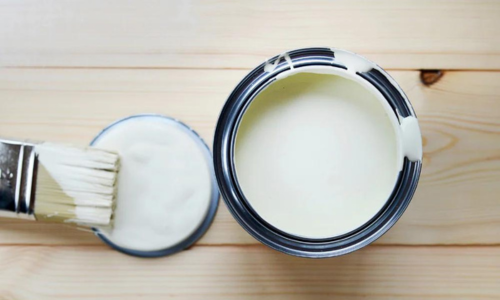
x,y
17,179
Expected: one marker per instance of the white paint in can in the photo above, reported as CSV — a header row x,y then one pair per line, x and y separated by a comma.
x,y
318,152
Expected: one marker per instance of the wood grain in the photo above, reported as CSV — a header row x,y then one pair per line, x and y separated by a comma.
x,y
70,67
253,272
405,34
456,202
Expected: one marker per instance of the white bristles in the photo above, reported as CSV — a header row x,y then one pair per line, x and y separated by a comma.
x,y
92,215
75,184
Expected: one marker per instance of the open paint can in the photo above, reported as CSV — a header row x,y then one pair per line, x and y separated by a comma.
x,y
317,152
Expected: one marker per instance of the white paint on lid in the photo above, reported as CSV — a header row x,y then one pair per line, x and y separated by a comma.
x,y
164,186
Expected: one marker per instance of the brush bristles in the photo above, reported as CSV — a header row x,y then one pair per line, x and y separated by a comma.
x,y
75,185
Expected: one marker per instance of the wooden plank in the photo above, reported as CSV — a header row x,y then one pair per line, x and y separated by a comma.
x,y
252,272
406,34
456,202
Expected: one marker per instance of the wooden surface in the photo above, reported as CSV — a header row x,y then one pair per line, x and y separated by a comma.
x,y
68,68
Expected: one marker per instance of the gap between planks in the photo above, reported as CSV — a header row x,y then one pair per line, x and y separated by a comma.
x,y
210,68
257,245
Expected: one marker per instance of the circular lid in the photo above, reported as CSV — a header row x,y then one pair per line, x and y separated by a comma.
x,y
167,195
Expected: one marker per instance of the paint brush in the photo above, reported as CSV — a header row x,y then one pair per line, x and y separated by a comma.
x,y
59,183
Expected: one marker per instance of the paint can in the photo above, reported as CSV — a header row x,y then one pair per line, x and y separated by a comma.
x,y
348,65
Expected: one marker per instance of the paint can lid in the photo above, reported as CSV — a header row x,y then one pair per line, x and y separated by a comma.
x,y
161,214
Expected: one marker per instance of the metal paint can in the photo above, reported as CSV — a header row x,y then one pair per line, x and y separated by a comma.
x,y
224,146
